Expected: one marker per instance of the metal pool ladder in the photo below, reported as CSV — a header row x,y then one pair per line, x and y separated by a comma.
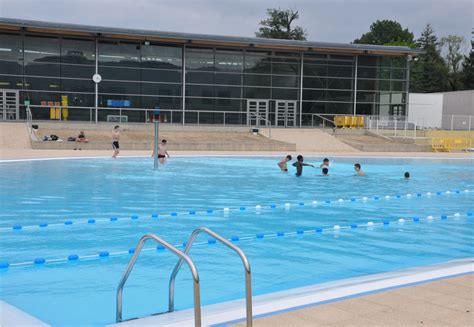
x,y
184,257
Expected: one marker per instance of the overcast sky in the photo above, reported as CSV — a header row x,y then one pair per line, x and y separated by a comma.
x,y
324,20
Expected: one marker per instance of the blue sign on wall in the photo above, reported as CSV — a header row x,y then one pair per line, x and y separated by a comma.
x,y
119,103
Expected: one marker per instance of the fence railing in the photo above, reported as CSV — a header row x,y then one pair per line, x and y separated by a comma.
x,y
391,126
140,115
396,126
457,122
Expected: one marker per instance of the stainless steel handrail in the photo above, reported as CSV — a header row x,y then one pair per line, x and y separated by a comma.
x,y
181,255
259,117
324,119
243,257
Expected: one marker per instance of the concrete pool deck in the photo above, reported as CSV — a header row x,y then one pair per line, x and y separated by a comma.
x,y
446,302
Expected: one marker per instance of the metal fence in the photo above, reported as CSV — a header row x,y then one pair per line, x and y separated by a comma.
x,y
396,126
391,126
457,123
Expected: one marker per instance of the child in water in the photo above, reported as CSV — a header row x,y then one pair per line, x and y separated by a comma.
x,y
299,165
358,169
283,164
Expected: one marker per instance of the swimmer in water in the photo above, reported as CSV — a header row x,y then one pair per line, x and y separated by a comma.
x,y
407,175
325,163
325,171
299,165
283,164
358,169
162,152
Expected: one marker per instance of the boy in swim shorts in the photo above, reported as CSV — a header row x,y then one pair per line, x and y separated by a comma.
x,y
299,165
283,164
115,141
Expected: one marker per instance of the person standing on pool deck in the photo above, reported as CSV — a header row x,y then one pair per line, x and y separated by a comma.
x,y
283,164
115,141
299,165
359,170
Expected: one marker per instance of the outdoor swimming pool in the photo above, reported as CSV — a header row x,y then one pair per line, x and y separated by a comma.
x,y
55,209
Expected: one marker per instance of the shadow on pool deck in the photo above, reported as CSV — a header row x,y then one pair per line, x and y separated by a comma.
x,y
447,302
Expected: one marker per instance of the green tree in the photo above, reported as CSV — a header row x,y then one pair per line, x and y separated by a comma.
x,y
386,32
429,73
452,47
467,74
278,25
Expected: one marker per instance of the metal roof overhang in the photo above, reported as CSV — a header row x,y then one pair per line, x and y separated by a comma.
x,y
8,24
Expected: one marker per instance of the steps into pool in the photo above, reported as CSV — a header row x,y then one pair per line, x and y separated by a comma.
x,y
185,258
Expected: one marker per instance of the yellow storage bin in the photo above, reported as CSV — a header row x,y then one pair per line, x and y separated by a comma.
x,y
360,121
354,122
347,121
339,121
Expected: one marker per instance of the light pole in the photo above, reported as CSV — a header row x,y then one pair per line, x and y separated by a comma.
x,y
156,121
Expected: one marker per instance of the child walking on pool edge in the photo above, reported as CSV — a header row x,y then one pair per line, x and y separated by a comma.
x,y
115,141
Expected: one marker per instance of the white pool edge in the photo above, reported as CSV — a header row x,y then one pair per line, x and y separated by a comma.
x,y
263,154
14,317
222,314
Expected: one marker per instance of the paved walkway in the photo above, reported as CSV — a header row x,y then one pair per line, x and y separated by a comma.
x,y
447,302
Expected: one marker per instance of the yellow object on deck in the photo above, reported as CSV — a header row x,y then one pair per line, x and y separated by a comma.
x,y
349,121
339,121
451,144
54,113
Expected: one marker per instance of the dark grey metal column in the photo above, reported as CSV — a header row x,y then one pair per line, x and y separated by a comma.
x,y
183,79
354,111
301,87
407,89
96,84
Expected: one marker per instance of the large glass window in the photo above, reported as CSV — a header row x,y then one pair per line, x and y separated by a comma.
x,y
77,51
11,67
199,59
258,62
41,49
163,76
229,61
11,47
116,73
119,54
42,69
161,57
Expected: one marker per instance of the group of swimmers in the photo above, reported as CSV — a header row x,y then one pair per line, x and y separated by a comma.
x,y
283,164
299,164
162,150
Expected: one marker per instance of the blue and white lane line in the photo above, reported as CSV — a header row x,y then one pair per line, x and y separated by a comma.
x,y
370,225
227,210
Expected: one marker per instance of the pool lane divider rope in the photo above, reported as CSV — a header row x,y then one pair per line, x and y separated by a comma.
x,y
370,225
258,209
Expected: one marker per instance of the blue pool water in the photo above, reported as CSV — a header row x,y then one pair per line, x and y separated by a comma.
x,y
82,292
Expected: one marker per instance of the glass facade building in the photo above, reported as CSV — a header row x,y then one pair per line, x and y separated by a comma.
x,y
193,79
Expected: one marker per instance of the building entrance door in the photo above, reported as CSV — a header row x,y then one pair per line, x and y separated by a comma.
x,y
257,112
285,113
9,105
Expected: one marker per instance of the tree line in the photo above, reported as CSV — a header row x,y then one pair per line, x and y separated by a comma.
x,y
441,67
